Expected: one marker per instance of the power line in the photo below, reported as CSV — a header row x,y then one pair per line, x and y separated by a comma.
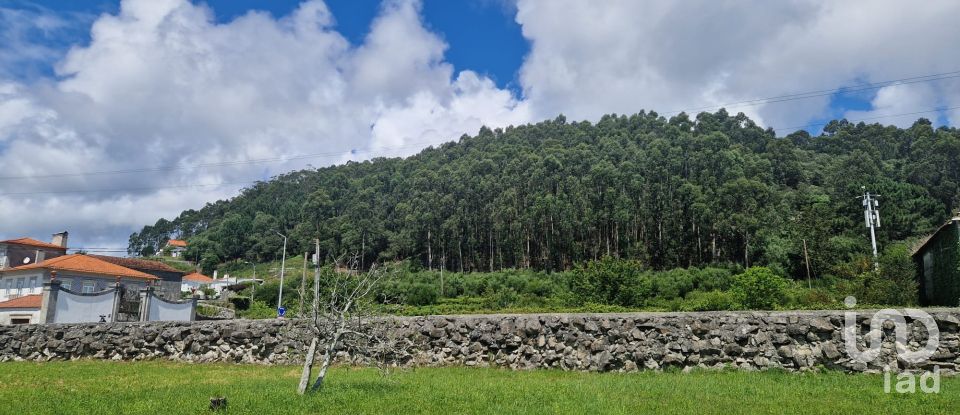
x,y
940,109
826,92
131,189
751,102
219,164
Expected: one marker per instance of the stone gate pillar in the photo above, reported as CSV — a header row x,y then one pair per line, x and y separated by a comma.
x,y
48,305
146,296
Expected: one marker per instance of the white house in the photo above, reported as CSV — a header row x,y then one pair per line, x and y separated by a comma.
x,y
76,272
21,310
176,247
195,282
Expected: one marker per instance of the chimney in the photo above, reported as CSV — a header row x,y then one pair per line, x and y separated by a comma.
x,y
60,239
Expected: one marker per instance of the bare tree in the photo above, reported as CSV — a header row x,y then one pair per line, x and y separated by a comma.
x,y
343,311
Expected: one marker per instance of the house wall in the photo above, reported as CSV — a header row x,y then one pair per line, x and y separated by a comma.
x,y
938,268
188,286
7,314
12,255
73,281
20,284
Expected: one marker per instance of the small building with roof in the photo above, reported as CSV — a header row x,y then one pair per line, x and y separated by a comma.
x,y
195,282
175,247
25,251
21,310
937,259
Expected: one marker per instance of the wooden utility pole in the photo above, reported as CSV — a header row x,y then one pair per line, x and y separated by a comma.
x,y
806,260
315,307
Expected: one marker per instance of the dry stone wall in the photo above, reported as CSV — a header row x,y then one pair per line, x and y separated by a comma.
x,y
794,341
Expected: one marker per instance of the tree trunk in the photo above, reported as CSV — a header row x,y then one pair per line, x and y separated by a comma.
x,y
327,358
307,366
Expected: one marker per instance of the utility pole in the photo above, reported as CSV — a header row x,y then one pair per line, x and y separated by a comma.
x,y
806,260
303,285
871,215
283,264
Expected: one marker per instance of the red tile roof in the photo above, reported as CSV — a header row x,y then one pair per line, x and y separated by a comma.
x,y
87,264
31,242
137,263
197,277
27,301
177,243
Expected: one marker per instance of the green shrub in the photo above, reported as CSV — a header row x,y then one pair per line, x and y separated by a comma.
x,y
801,297
897,267
674,283
609,281
712,278
420,294
758,288
709,301
240,303
258,310
206,311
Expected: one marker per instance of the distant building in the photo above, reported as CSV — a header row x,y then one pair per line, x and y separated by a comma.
x,y
195,281
175,247
938,266
21,310
170,277
25,251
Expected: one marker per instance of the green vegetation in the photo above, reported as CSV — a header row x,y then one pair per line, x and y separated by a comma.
x,y
759,288
157,387
614,285
670,193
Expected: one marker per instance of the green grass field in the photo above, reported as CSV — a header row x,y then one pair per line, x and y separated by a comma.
x,y
172,388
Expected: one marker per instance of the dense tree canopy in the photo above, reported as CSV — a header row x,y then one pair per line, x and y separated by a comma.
x,y
675,192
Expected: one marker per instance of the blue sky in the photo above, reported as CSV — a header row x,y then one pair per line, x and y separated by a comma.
x,y
481,34
161,84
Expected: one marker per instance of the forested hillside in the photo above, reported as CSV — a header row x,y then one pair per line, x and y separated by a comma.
x,y
674,192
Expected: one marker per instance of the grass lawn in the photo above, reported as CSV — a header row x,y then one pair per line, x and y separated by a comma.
x,y
173,388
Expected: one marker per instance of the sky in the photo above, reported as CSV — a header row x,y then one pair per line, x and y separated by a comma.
x,y
114,113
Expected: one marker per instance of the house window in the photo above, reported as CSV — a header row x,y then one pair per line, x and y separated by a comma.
x,y
9,287
66,284
33,285
87,287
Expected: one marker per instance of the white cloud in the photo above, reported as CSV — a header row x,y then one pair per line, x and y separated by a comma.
x,y
621,56
161,84
899,99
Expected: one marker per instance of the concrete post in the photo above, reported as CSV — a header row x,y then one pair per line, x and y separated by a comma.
x,y
146,295
193,307
116,301
48,306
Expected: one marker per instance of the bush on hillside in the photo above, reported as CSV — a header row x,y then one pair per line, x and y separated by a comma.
x,y
758,288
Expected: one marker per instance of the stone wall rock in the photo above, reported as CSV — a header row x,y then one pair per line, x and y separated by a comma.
x,y
793,341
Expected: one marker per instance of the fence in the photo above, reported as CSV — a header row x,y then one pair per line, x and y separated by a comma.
x,y
64,306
